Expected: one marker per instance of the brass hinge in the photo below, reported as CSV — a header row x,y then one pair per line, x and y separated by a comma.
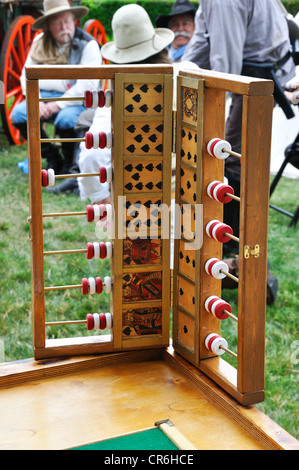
x,y
251,252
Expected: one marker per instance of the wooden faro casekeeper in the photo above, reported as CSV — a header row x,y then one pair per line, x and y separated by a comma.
x,y
145,133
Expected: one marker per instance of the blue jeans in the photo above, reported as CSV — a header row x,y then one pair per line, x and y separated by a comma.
x,y
64,119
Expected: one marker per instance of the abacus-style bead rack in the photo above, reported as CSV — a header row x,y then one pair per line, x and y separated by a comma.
x,y
139,280
199,306
142,140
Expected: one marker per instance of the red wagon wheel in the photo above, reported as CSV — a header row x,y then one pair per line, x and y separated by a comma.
x,y
96,30
14,51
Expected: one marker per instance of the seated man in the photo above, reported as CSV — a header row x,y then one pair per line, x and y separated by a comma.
x,y
61,42
181,22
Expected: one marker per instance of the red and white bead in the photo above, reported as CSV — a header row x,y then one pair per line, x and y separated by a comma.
x,y
94,285
218,230
99,321
107,284
98,140
98,212
214,268
105,174
220,191
98,98
214,343
216,307
98,250
218,148
48,177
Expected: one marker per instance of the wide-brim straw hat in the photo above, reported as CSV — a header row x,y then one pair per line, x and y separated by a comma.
x,y
135,38
180,7
54,7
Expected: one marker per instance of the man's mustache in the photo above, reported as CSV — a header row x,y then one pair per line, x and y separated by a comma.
x,y
182,33
65,31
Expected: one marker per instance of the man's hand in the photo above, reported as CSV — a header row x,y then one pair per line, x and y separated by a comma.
x,y
46,110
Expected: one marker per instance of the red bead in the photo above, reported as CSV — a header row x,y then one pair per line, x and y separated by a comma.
x,y
211,265
85,288
90,321
220,233
219,310
88,140
45,179
103,174
211,303
213,187
213,145
89,213
103,250
99,285
101,98
90,250
211,341
221,193
102,321
103,140
88,99
211,228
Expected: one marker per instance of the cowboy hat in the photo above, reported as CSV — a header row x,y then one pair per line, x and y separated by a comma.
x,y
135,38
54,7
180,7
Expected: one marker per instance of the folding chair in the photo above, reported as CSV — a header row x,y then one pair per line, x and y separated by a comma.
x,y
291,156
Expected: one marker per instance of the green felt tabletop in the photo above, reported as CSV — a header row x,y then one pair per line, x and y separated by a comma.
x,y
152,439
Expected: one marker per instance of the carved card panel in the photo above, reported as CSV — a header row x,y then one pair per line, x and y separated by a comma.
x,y
187,255
143,160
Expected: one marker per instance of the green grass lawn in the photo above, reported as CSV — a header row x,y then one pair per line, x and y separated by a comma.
x,y
282,340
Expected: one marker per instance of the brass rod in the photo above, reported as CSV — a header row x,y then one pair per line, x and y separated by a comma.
x,y
228,351
230,315
62,252
234,278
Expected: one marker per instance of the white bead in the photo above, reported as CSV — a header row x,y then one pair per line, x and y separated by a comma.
x,y
219,149
215,191
92,285
109,249
209,225
220,224
217,267
216,344
95,99
208,300
108,140
96,140
208,264
109,209
51,177
108,98
209,188
96,250
108,321
107,282
214,305
96,321
109,174
210,144
96,211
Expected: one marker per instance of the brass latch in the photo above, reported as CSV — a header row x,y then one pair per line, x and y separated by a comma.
x,y
249,252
